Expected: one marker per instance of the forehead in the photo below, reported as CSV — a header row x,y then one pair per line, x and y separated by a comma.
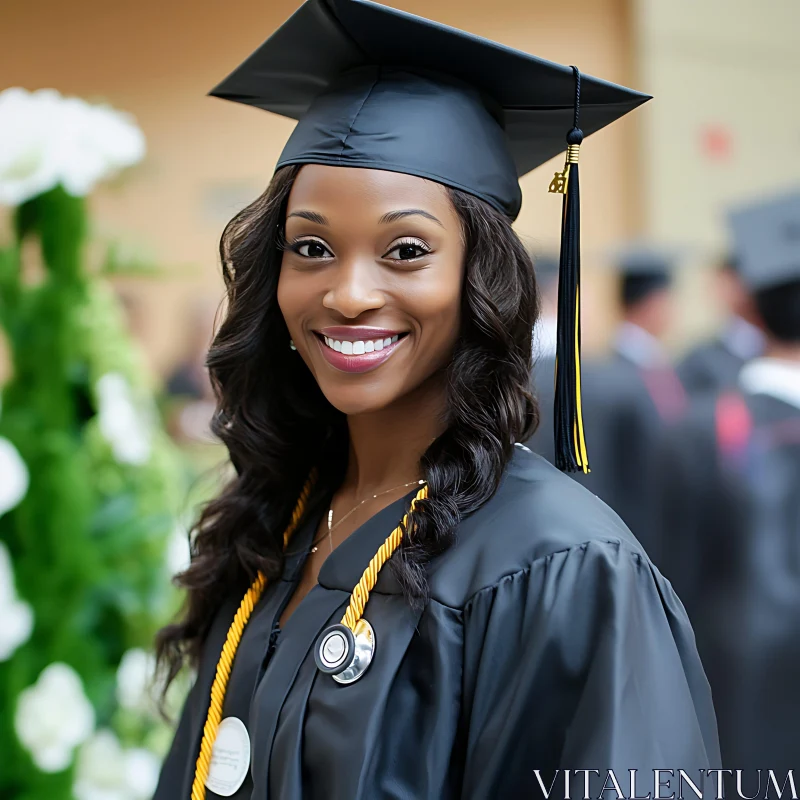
x,y
354,188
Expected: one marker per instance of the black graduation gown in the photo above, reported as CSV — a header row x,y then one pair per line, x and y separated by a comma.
x,y
623,426
710,368
733,520
550,642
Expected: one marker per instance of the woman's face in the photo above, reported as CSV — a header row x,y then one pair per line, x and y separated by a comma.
x,y
370,282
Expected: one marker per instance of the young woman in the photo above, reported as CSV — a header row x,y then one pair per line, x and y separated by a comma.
x,y
392,599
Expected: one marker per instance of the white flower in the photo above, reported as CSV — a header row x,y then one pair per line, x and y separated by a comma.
x,y
124,426
16,616
14,478
29,160
179,553
16,624
100,769
141,773
96,142
53,717
135,678
105,771
46,139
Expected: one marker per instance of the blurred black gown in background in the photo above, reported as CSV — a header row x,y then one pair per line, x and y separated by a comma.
x,y
627,409
713,366
731,508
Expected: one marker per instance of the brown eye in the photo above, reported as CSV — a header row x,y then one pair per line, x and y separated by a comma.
x,y
311,249
407,251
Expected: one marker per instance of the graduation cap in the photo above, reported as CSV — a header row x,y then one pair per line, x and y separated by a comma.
x,y
378,88
644,268
767,241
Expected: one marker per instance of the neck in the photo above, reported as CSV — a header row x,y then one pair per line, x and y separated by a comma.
x,y
784,351
386,445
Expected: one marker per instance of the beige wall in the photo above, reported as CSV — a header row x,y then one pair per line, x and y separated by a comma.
x,y
725,124
206,158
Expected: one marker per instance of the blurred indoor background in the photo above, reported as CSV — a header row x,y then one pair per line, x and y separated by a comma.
x,y
721,128
724,127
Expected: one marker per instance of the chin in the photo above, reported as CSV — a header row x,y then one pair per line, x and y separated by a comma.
x,y
359,399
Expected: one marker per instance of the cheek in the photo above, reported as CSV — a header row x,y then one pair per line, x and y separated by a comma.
x,y
291,298
438,303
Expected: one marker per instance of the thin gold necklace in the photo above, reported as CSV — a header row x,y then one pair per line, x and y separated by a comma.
x,y
331,527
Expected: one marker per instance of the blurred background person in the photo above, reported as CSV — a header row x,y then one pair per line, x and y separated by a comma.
x,y
731,508
544,334
544,353
714,364
630,396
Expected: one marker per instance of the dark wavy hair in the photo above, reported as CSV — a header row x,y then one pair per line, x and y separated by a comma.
x,y
277,424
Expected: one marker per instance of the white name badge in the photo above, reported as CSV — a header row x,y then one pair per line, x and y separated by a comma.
x,y
230,758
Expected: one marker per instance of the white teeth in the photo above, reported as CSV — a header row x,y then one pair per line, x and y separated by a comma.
x,y
359,347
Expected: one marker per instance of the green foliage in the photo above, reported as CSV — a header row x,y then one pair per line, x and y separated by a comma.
x,y
88,541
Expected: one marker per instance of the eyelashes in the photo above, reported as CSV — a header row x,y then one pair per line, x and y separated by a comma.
x,y
412,248
310,248
406,249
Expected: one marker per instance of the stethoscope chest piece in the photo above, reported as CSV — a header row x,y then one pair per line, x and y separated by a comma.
x,y
343,654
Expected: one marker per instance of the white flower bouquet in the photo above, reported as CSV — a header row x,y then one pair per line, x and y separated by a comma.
x,y
89,482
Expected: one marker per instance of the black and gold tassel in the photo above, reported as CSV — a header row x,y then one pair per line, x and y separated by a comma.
x,y
570,442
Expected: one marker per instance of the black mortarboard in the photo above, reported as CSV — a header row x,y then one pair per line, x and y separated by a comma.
x,y
378,88
644,269
767,241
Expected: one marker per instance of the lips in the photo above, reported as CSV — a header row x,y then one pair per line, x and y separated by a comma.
x,y
358,350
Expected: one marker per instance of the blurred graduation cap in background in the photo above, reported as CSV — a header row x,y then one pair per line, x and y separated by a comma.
x,y
378,88
766,239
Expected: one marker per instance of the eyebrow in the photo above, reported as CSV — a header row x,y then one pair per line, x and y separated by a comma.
x,y
311,216
394,216
386,219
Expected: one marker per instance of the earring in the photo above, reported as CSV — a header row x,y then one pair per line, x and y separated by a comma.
x,y
291,344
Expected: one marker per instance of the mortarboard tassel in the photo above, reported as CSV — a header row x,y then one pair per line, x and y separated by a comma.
x,y
570,443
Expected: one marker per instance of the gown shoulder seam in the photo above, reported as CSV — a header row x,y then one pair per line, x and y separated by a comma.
x,y
619,543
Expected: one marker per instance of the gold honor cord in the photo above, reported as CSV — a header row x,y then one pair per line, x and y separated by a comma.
x,y
360,595
358,600
225,662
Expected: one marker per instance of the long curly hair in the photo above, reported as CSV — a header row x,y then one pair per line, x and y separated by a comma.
x,y
276,431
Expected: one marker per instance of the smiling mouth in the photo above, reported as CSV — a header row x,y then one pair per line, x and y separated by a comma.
x,y
359,346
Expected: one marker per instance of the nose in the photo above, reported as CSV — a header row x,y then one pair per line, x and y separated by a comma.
x,y
354,289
